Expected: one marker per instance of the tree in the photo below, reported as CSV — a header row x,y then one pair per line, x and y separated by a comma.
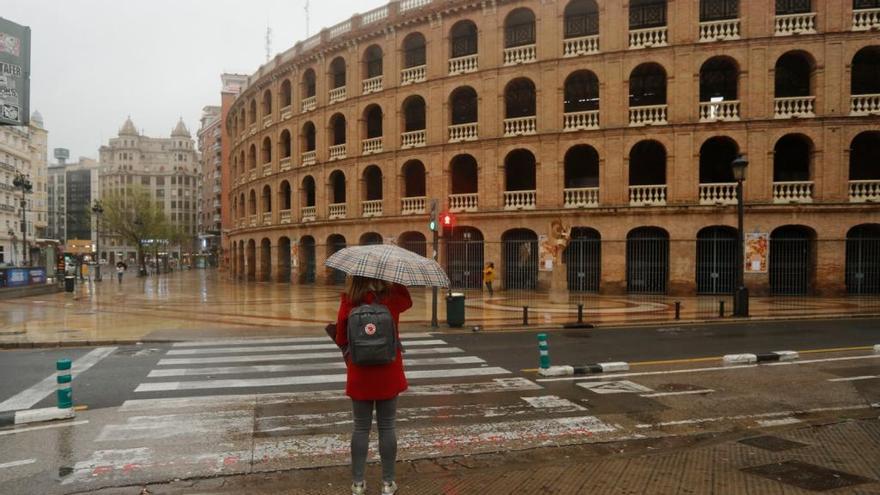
x,y
136,217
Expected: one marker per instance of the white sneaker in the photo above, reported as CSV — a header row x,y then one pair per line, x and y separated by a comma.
x,y
359,488
389,488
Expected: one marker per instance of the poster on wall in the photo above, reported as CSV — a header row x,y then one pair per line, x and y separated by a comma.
x,y
15,69
294,254
545,254
757,251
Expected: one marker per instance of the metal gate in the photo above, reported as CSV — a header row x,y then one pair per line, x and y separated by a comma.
x,y
647,261
309,262
337,277
583,263
520,254
464,263
790,264
863,265
716,261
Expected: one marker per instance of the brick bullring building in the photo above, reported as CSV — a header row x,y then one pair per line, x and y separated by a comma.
x,y
621,118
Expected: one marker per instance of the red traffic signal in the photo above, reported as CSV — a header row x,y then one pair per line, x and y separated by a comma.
x,y
447,220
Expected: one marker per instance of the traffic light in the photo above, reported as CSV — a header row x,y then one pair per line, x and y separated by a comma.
x,y
432,222
448,220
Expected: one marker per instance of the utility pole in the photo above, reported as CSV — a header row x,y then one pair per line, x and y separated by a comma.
x,y
308,13
23,184
98,209
434,227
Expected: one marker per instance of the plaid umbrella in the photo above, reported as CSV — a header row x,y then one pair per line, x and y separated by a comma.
x,y
390,263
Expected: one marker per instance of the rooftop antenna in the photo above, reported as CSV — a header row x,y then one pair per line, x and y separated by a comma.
x,y
268,42
308,12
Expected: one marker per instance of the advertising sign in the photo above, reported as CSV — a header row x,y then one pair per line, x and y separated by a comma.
x,y
15,71
17,277
757,251
37,276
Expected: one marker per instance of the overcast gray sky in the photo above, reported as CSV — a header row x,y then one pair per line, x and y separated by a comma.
x,y
94,62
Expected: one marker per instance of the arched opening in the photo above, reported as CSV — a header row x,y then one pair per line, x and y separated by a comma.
x,y
464,175
647,164
791,159
335,242
863,259
581,167
718,10
787,7
371,239
372,183
792,77
647,260
242,207
864,162
463,39
242,163
337,129
520,250
583,259
581,92
307,259
644,14
283,260
414,114
464,258
267,199
285,199
415,242
308,191
309,136
373,121
719,79
285,144
286,94
414,54
266,151
251,261
716,155
865,79
373,62
337,187
716,260
519,28
252,157
519,171
463,106
647,85
337,73
267,103
252,203
309,84
792,260
519,99
581,19
253,112
414,179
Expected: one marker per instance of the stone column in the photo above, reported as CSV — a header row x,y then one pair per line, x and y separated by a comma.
x,y
830,268
613,266
682,267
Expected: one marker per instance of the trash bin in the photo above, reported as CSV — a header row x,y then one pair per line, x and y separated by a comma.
x,y
69,282
455,309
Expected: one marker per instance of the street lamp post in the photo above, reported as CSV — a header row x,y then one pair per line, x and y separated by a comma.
x,y
23,184
741,296
97,209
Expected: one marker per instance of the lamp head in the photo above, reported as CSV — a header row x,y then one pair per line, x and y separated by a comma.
x,y
739,166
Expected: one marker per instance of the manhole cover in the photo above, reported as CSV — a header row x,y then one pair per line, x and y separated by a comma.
x,y
807,476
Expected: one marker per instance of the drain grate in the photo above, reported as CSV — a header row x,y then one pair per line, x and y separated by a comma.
x,y
771,443
807,476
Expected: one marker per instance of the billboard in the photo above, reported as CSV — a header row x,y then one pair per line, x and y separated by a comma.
x,y
15,73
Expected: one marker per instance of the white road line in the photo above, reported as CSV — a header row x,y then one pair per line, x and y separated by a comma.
x,y
27,398
336,356
283,348
279,368
854,378
24,462
44,427
280,340
685,392
694,421
767,423
307,380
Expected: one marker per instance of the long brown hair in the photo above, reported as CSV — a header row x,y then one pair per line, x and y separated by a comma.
x,y
358,287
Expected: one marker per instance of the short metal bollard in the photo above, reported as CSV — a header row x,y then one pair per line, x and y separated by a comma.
x,y
721,309
543,351
677,310
525,315
65,384
580,313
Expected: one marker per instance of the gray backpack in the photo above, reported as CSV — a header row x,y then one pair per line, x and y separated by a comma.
x,y
371,336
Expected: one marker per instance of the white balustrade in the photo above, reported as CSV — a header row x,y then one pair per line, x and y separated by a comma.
x,y
727,29
372,85
463,202
411,206
721,193
585,45
520,200
864,104
521,126
581,197
252,221
372,145
646,38
413,75
267,169
286,163
285,216
309,104
267,218
252,129
652,195
337,94
414,139
520,55
406,5
864,191
267,121
793,192
647,115
374,15
309,158
311,42
286,113
309,213
804,23
337,152
336,210
714,111
463,65
798,106
372,208
865,19
463,132
340,29
580,121
252,175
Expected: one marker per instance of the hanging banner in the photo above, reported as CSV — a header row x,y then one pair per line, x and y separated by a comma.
x,y
15,71
757,251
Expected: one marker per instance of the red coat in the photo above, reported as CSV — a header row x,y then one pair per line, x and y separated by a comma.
x,y
375,382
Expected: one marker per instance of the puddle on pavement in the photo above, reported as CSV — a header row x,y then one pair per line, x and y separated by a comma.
x,y
807,476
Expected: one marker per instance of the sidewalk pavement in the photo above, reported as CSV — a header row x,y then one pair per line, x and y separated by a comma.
x,y
205,304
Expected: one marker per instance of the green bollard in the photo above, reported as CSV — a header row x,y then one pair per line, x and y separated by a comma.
x,y
544,351
65,384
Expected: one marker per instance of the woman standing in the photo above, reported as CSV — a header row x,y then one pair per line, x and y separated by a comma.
x,y
373,387
489,277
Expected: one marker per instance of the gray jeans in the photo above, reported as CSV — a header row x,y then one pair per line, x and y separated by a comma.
x,y
386,414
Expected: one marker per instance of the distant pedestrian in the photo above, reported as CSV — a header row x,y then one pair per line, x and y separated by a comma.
x,y
120,271
489,277
373,386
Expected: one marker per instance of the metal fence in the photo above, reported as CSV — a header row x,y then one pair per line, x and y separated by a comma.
x,y
716,264
583,262
647,263
791,266
863,265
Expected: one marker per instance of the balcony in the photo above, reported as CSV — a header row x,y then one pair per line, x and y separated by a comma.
x,y
864,104
793,192
647,38
798,106
267,121
252,221
267,170
412,206
309,158
727,29
581,197
267,218
372,145
463,132
372,85
336,211
406,5
522,126
652,195
647,115
309,104
252,174
309,214
466,202
718,111
864,191
721,193
286,163
285,216
414,139
787,25
286,113
463,65
337,95
520,200
252,129
576,47
525,54
580,121
865,19
372,208
413,75
337,152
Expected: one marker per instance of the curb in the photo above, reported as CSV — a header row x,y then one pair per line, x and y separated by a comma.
x,y
11,418
83,343
877,349
734,359
587,369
